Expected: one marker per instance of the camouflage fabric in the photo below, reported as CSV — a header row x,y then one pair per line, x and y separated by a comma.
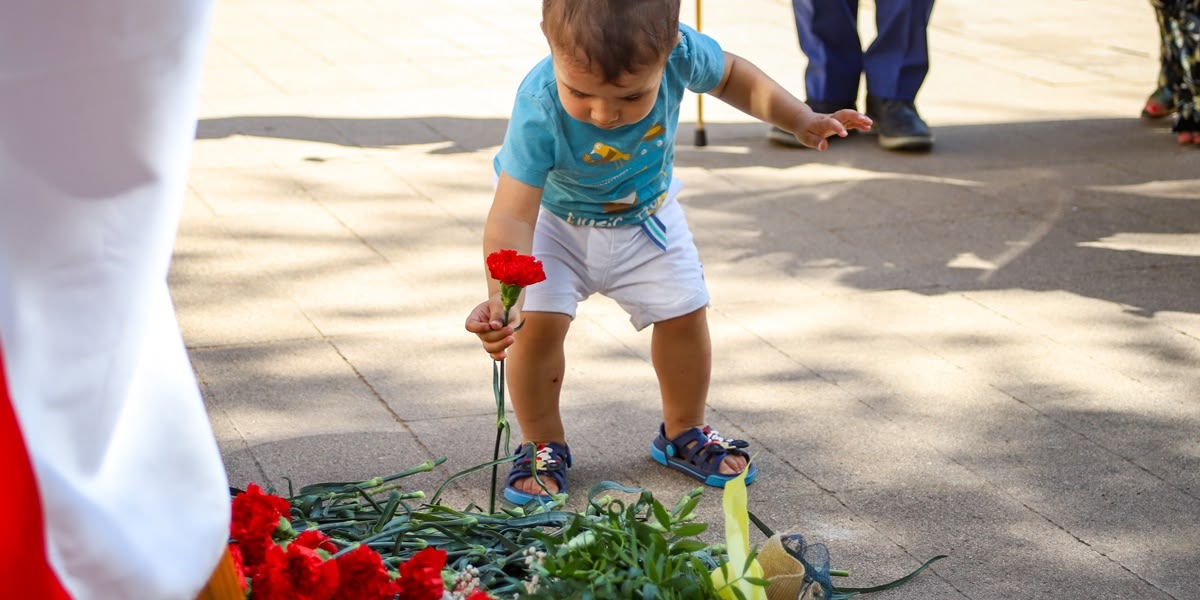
x,y
1179,27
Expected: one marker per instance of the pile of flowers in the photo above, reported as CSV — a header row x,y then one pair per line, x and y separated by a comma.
x,y
275,561
365,540
375,540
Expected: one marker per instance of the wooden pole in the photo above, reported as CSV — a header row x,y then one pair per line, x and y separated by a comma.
x,y
701,135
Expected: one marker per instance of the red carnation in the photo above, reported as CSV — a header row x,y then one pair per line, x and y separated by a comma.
x,y
255,518
480,595
520,270
421,576
316,540
297,573
514,272
363,576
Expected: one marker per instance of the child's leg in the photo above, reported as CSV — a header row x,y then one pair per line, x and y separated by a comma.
x,y
534,370
682,354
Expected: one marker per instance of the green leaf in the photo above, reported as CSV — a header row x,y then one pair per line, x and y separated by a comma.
x,y
687,504
689,529
661,514
737,537
687,546
389,511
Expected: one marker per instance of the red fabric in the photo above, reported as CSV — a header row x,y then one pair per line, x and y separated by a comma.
x,y
25,564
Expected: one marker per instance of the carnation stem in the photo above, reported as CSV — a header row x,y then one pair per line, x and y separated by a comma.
x,y
498,385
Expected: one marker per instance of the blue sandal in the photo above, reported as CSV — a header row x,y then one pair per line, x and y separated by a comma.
x,y
552,459
699,452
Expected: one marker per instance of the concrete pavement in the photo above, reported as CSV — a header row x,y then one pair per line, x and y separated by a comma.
x,y
989,351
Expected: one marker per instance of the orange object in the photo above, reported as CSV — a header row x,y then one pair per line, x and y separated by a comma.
x,y
224,583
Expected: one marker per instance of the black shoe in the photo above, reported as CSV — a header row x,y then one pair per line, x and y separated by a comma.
x,y
898,125
785,138
829,107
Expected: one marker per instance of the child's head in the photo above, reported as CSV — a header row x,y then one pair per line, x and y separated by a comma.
x,y
612,37
609,55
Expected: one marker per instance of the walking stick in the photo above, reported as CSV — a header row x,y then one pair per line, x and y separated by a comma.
x,y
701,135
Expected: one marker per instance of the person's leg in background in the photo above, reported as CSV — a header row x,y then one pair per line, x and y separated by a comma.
x,y
828,34
1161,102
1182,19
895,65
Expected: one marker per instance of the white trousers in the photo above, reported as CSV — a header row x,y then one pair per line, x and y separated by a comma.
x,y
97,116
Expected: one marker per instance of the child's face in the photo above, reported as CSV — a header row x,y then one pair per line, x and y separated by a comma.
x,y
587,97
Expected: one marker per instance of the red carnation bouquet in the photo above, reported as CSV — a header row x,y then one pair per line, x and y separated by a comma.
x,y
274,562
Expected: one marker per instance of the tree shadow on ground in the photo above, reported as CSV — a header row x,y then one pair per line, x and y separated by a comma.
x,y
1102,209
455,134
1105,208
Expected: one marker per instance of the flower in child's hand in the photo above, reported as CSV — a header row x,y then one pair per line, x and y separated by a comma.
x,y
521,270
514,272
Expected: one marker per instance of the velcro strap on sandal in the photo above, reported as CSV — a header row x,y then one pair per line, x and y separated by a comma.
x,y
722,443
545,457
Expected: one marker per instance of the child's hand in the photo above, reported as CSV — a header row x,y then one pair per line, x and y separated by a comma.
x,y
486,322
814,128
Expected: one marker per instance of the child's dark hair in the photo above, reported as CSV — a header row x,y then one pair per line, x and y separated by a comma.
x,y
613,36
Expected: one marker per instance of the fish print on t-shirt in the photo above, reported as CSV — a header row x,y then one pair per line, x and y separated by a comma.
x,y
627,167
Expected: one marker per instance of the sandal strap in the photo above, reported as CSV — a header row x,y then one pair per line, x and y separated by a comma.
x,y
703,446
724,442
548,458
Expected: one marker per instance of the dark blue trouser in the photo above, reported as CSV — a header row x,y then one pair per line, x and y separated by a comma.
x,y
895,63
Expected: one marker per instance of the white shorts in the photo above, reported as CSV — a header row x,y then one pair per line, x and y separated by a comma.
x,y
650,283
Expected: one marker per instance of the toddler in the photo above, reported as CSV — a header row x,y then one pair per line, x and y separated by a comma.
x,y
585,184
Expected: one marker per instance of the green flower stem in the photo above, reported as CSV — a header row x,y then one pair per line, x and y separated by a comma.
x,y
886,586
335,490
498,389
614,548
335,525
437,495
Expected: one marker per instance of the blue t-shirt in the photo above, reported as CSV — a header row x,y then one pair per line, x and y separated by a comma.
x,y
596,177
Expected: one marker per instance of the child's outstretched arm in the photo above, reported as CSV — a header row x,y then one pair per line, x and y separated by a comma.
x,y
746,88
509,226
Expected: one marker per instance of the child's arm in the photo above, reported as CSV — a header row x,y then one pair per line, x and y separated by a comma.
x,y
748,89
509,226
